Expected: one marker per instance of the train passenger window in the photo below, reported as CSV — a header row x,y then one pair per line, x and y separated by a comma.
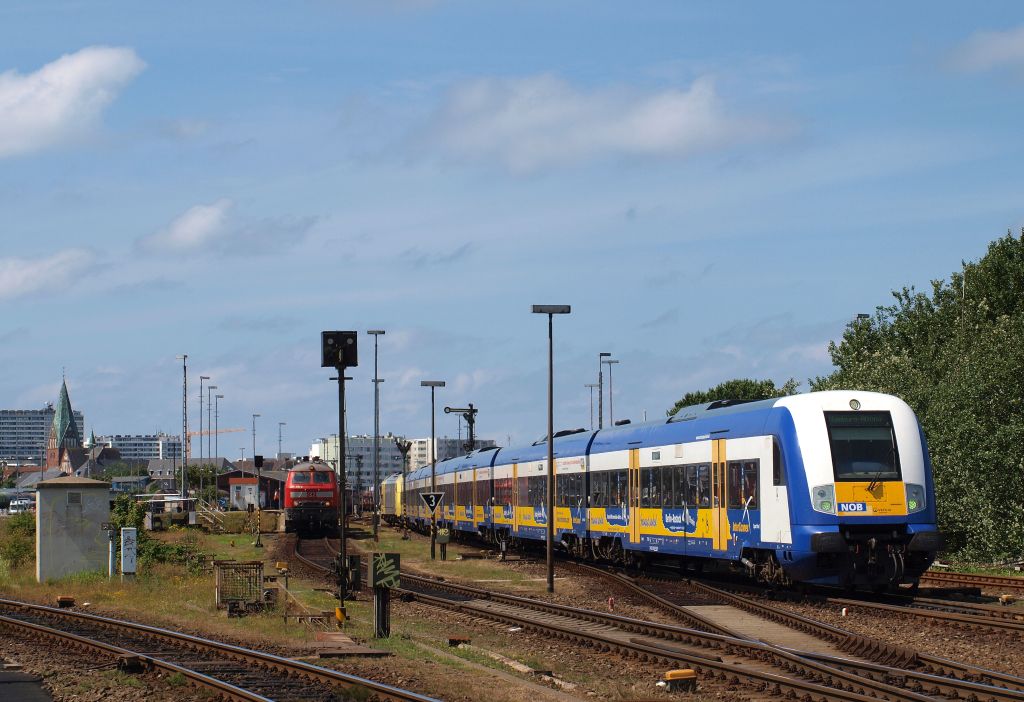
x,y
668,490
703,498
300,477
322,477
524,494
618,488
750,470
679,479
735,484
778,470
599,486
645,487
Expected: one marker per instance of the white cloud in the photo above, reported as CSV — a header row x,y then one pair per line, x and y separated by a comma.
x,y
63,99
542,121
984,51
24,276
197,229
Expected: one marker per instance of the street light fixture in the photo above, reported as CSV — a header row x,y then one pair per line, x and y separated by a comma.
x,y
600,388
433,385
551,311
376,333
611,398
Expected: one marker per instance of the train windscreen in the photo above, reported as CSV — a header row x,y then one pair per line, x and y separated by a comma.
x,y
863,446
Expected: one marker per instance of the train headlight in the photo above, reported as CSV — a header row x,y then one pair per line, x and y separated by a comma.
x,y
823,498
916,499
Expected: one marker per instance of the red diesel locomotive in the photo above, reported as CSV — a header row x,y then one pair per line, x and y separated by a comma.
x,y
311,499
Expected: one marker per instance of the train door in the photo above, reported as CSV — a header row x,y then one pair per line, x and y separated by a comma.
x,y
634,495
472,498
515,498
719,498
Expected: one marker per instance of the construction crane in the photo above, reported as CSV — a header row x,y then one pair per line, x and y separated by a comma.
x,y
206,432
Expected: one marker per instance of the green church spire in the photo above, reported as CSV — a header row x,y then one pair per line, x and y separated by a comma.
x,y
64,427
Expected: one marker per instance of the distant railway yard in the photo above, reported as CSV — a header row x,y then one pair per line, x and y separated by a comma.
x,y
479,626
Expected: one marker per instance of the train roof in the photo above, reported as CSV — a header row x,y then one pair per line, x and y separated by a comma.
x,y
311,465
721,419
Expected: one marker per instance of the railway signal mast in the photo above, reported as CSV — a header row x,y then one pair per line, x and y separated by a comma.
x,y
469,414
338,350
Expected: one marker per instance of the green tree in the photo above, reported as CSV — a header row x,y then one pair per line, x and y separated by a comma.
x,y
736,389
956,356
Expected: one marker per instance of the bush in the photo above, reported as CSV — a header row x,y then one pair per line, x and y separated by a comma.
x,y
22,524
15,550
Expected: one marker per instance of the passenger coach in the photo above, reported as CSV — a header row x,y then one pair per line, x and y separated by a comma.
x,y
828,487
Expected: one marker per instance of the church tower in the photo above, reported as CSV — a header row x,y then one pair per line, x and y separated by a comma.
x,y
64,432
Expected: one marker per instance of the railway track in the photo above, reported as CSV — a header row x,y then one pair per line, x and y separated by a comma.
x,y
994,582
708,648
229,671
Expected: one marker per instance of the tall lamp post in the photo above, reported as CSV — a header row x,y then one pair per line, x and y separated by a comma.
x,y
200,437
591,386
611,399
600,388
433,385
216,423
209,437
184,418
551,311
259,485
209,421
376,333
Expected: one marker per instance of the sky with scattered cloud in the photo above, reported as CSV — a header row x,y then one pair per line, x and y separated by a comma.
x,y
715,189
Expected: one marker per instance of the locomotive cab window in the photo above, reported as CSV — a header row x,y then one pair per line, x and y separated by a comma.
x,y
863,446
322,477
300,477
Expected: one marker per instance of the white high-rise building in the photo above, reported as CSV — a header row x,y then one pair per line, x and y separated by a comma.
x,y
24,433
447,447
359,457
143,447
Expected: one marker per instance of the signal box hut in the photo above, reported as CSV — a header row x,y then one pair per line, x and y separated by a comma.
x,y
70,513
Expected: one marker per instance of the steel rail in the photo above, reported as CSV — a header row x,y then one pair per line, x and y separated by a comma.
x,y
259,659
932,664
223,688
850,689
980,579
1000,686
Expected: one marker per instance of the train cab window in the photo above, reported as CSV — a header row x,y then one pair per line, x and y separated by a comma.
x,y
778,469
300,477
863,446
322,477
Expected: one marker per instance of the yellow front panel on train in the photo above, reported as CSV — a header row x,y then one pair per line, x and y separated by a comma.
x,y
883,500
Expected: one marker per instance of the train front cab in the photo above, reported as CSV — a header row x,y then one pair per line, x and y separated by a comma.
x,y
861,490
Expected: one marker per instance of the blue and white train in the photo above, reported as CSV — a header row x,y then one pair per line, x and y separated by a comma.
x,y
825,487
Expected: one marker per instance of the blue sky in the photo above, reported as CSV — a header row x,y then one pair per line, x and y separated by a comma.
x,y
715,189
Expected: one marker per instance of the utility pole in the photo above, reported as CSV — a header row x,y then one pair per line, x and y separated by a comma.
x,y
433,385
